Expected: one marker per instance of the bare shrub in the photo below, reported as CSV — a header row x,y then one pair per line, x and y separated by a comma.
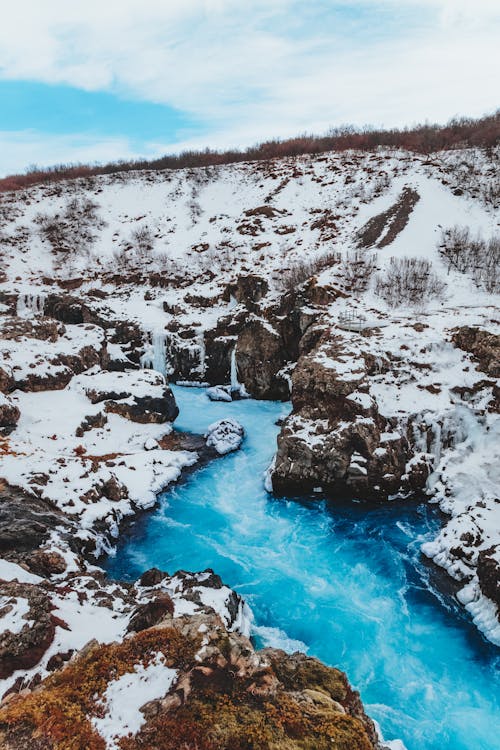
x,y
301,271
357,269
456,134
143,240
409,281
471,254
74,228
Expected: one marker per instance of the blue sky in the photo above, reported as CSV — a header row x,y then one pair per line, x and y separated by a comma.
x,y
95,81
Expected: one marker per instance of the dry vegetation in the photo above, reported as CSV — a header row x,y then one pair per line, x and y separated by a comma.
x,y
473,255
74,228
409,281
458,133
357,269
291,704
301,271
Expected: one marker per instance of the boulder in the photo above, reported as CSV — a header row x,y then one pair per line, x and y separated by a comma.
x,y
225,436
26,522
9,413
151,613
6,380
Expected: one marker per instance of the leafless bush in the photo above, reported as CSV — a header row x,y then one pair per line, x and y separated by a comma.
x,y
472,254
143,240
74,228
301,271
357,269
409,281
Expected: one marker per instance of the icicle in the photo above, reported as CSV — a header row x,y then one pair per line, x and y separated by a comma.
x,y
235,386
155,355
437,442
202,352
30,305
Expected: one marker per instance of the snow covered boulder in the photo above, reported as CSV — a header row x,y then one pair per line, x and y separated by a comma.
x,y
225,436
139,395
9,413
219,393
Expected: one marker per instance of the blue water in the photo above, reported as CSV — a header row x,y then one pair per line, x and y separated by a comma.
x,y
344,581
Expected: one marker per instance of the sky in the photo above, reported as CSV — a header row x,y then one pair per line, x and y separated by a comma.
x,y
99,80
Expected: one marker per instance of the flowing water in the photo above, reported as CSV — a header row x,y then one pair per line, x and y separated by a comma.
x,y
346,582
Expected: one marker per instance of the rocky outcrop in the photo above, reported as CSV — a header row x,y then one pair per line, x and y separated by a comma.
x,y
335,438
488,574
68,309
6,380
26,522
25,648
212,688
259,359
139,395
39,354
483,345
248,290
383,229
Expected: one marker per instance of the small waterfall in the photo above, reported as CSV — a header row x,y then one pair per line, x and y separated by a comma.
x,y
30,305
235,386
155,354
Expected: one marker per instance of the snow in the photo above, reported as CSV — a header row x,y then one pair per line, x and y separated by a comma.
x,y
32,356
83,619
14,618
124,697
135,383
10,571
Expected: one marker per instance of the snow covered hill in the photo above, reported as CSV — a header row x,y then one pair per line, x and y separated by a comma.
x,y
365,286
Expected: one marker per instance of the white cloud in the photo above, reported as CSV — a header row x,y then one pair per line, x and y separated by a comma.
x,y
256,69
20,150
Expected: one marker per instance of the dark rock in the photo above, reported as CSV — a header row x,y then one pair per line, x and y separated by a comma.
x,y
147,409
46,564
26,521
151,613
333,438
152,577
9,414
23,650
488,573
260,356
68,309
483,345
6,381
248,290
91,421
